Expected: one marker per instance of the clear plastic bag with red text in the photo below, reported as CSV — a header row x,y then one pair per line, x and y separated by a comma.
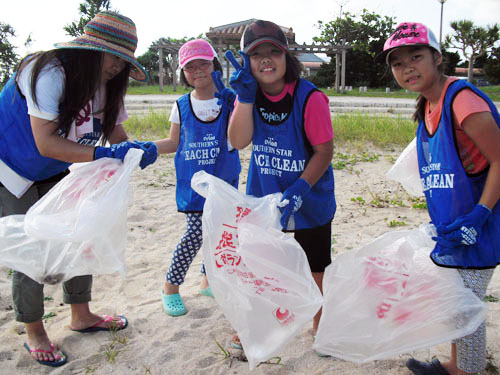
x,y
259,275
405,170
78,228
388,298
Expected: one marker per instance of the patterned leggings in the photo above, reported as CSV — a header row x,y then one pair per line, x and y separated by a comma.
x,y
186,250
471,350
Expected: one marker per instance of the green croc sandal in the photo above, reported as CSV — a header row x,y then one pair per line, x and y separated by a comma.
x,y
172,304
207,292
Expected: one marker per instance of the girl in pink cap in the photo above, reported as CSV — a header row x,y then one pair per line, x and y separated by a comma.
x,y
198,136
459,162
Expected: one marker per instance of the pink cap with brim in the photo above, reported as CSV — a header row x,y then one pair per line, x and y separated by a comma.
x,y
197,49
410,34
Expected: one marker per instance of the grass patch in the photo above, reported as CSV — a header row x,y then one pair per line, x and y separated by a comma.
x,y
350,130
47,316
490,298
144,89
228,355
152,126
380,131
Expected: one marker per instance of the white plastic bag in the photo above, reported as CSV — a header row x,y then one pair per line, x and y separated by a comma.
x,y
405,170
84,203
259,275
49,243
388,298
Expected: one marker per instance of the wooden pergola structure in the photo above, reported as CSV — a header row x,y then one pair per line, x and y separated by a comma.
x,y
227,37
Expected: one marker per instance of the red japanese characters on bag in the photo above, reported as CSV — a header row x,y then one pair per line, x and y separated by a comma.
x,y
78,228
259,275
388,298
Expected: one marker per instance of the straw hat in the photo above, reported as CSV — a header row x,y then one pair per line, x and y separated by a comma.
x,y
112,33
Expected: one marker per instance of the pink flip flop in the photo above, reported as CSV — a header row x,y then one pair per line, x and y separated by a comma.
x,y
58,359
114,326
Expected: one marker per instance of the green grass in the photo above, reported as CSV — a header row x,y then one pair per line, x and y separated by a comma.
x,y
152,126
155,90
492,91
350,130
380,131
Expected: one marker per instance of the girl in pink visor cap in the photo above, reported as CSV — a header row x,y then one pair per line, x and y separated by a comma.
x,y
198,136
457,141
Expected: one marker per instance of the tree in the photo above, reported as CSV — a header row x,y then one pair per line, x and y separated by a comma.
x,y
8,56
87,11
472,41
451,60
150,60
366,33
492,66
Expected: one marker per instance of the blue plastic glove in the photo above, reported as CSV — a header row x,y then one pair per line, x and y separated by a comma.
x,y
150,153
294,194
242,80
225,95
116,151
465,230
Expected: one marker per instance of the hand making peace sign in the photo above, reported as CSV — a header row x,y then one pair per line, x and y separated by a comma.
x,y
225,95
242,80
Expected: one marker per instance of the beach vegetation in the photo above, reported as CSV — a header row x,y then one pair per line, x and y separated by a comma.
x,y
418,203
228,355
359,200
396,223
363,133
490,298
47,316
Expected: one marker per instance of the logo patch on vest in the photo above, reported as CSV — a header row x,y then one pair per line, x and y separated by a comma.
x,y
273,113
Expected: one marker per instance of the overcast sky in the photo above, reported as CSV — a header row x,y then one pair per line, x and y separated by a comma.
x,y
45,19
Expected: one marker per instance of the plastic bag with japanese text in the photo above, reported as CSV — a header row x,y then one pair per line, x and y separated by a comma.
x,y
405,170
78,228
259,275
84,203
388,298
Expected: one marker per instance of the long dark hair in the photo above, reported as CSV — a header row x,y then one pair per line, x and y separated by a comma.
x,y
82,70
293,68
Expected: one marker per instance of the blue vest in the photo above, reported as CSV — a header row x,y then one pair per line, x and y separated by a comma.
x,y
202,146
17,146
281,151
451,192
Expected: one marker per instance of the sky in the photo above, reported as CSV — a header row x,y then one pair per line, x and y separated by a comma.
x,y
154,19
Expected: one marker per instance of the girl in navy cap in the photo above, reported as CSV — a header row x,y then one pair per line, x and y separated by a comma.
x,y
459,161
288,122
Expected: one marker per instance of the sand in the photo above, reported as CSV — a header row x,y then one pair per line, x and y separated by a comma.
x,y
155,343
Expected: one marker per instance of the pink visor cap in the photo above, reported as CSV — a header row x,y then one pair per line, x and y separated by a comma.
x,y
410,34
197,49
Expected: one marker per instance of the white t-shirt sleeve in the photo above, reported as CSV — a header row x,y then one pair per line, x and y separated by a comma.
x,y
49,89
174,114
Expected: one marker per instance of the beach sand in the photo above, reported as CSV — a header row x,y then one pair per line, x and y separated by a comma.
x,y
155,343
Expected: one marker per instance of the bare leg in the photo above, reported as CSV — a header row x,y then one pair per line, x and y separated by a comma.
x,y
170,288
451,365
38,339
318,277
82,317
204,282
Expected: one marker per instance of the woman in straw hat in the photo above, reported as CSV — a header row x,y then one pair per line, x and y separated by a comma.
x,y
53,111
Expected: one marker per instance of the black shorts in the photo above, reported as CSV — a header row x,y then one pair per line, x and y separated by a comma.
x,y
317,244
